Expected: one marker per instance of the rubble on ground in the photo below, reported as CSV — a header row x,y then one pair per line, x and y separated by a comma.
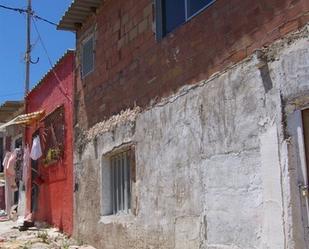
x,y
38,238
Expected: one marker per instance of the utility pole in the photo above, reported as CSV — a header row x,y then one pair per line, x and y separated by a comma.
x,y
28,47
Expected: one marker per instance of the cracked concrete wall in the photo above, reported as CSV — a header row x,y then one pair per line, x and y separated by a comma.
x,y
214,163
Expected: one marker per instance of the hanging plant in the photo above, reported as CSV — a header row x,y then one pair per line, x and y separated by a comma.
x,y
53,155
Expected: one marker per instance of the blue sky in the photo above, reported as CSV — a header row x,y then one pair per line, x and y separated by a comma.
x,y
13,44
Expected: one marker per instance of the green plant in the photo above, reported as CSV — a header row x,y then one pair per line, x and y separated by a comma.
x,y
43,236
65,245
53,155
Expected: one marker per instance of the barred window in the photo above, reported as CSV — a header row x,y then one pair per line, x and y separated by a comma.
x,y
118,175
88,56
53,137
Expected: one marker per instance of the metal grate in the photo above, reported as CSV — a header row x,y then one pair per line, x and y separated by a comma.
x,y
54,135
121,182
87,56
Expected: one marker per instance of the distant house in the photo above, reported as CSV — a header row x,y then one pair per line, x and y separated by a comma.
x,y
191,123
8,111
11,137
50,183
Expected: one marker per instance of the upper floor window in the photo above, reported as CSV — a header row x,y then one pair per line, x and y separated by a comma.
x,y
170,15
87,56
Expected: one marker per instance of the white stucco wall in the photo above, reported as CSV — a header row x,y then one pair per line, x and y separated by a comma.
x,y
215,164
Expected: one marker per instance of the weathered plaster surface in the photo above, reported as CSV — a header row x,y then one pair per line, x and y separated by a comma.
x,y
215,167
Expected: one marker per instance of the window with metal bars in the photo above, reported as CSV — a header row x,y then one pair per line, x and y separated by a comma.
x,y
121,182
54,136
87,56
117,182
170,15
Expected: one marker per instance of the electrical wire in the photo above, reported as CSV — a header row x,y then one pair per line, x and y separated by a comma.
x,y
62,90
34,18
44,20
34,44
13,9
22,11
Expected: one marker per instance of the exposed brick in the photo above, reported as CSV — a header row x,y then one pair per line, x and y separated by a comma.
x,y
289,26
238,56
122,42
304,19
142,26
125,18
147,11
116,26
128,56
133,33
128,26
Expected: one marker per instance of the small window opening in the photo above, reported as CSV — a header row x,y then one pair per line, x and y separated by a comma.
x,y
88,56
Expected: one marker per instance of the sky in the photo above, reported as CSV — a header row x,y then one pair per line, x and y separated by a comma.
x,y
13,44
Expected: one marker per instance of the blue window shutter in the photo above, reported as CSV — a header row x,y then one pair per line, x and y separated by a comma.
x,y
159,19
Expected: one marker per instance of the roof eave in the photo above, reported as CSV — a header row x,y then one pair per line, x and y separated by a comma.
x,y
77,13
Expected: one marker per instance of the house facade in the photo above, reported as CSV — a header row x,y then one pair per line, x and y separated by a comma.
x,y
49,184
11,138
8,111
191,123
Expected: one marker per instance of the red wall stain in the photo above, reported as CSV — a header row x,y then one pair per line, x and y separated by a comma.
x,y
55,199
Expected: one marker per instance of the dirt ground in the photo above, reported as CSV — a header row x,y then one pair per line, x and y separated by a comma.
x,y
34,238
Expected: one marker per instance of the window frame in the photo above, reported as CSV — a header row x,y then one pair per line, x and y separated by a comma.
x,y
59,115
108,192
160,22
121,199
84,41
197,12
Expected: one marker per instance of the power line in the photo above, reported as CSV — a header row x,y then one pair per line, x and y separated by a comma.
x,y
22,11
43,19
35,17
62,90
13,9
42,43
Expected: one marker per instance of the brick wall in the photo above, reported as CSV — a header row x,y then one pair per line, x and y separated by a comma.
x,y
132,68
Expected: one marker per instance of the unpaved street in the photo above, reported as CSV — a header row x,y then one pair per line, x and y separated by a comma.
x,y
34,238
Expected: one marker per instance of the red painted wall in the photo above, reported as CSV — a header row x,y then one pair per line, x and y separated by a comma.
x,y
55,201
